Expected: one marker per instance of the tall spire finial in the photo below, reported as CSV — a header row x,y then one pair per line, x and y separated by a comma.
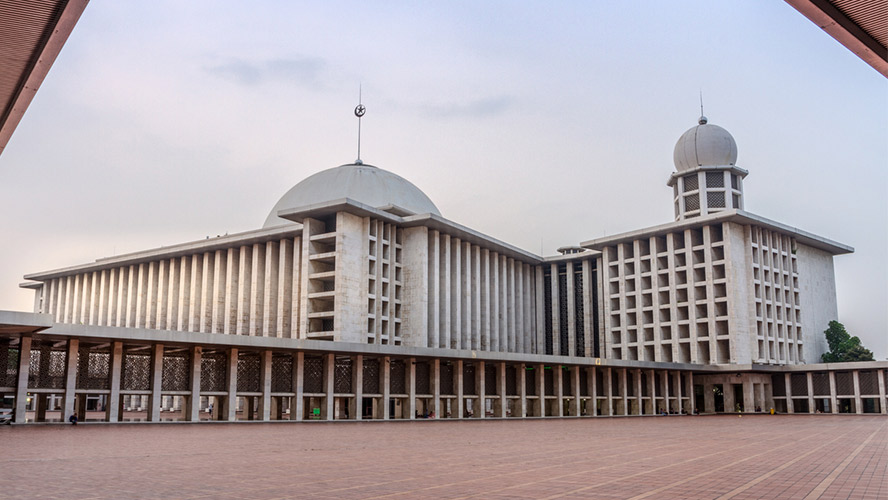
x,y
703,119
359,112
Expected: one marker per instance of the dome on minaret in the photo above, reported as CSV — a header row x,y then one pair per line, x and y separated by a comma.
x,y
360,182
704,145
706,178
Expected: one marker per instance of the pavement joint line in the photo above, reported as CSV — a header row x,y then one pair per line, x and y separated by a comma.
x,y
585,488
526,460
607,467
828,480
746,486
508,474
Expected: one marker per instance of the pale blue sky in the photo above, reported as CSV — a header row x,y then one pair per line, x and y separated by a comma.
x,y
542,125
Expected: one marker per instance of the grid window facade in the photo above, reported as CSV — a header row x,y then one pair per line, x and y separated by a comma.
x,y
779,335
384,283
666,298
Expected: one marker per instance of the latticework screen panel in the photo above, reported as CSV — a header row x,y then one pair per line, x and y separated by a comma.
x,y
530,383
869,383
799,384
93,368
47,366
490,385
176,374
214,372
715,199
136,371
447,378
313,373
249,365
9,364
342,375
469,379
423,378
398,377
282,373
370,381
511,382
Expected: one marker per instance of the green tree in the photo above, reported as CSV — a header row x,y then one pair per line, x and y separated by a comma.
x,y
842,346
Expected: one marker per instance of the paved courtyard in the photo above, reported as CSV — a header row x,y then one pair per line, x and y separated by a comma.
x,y
755,456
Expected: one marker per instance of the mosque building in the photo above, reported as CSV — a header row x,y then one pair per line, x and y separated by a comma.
x,y
357,299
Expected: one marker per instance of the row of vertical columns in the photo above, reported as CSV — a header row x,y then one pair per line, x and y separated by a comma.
x,y
833,393
670,390
248,290
478,298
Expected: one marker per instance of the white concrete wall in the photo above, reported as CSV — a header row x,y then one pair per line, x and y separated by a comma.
x,y
416,297
352,248
817,293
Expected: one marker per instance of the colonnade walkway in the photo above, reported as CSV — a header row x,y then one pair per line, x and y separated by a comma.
x,y
52,378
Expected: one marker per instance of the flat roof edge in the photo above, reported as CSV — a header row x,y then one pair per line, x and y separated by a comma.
x,y
738,216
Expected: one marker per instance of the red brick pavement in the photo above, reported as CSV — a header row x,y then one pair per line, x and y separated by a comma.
x,y
753,457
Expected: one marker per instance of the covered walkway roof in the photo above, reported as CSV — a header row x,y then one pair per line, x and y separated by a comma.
x,y
859,25
32,33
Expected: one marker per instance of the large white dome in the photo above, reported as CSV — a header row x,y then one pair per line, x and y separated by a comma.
x,y
705,145
363,183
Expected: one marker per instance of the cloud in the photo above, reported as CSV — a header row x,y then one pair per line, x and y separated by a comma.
x,y
299,70
491,106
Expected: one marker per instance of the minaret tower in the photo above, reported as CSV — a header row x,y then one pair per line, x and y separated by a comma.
x,y
706,179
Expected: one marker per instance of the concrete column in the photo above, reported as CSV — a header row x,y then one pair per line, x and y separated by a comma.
x,y
386,370
593,389
833,399
70,377
329,374
298,406
192,407
541,389
520,372
480,412
156,383
576,404
652,383
787,382
230,406
501,389
559,387
749,396
460,403
112,408
692,403
436,387
21,389
357,406
858,402
265,385
609,390
729,397
708,398
638,394
810,378
411,387
882,402
679,393
624,390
